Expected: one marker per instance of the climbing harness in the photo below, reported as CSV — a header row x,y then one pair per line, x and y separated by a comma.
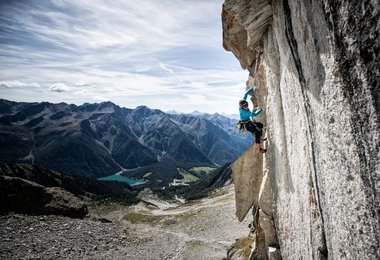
x,y
242,125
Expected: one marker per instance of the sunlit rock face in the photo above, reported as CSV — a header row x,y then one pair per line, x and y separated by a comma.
x,y
317,188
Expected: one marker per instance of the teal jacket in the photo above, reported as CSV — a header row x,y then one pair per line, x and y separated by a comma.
x,y
245,114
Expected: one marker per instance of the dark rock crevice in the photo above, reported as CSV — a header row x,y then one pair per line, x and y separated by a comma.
x,y
293,43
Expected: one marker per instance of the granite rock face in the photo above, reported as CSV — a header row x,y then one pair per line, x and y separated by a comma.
x,y
244,25
316,193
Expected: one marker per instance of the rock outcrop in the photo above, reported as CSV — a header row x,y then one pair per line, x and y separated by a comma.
x,y
23,196
315,194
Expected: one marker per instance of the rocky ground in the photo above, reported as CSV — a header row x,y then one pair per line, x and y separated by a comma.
x,y
149,230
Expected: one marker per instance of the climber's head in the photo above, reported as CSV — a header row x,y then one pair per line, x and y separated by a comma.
x,y
243,104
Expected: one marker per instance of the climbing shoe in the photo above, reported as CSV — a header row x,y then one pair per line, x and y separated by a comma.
x,y
263,150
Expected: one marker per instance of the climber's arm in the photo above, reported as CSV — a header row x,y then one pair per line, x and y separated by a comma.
x,y
256,112
246,114
248,92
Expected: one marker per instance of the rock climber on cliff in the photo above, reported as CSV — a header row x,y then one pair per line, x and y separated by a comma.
x,y
247,124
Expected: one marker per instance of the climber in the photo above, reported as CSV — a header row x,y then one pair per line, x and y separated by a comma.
x,y
247,124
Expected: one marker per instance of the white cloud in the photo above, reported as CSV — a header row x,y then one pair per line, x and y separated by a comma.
x,y
164,67
82,92
156,52
18,84
196,98
59,87
99,98
82,83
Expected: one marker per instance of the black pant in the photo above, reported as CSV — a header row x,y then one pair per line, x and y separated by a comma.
x,y
255,128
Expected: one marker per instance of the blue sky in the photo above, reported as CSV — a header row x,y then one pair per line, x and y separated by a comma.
x,y
165,54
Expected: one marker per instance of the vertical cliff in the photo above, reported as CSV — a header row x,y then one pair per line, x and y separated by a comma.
x,y
315,194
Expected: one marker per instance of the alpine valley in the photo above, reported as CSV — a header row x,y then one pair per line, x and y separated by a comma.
x,y
98,140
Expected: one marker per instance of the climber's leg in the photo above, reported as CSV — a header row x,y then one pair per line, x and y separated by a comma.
x,y
256,128
260,126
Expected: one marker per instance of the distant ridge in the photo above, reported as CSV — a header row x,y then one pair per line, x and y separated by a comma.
x,y
197,113
102,139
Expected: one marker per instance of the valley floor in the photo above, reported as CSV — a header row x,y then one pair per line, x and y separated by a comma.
x,y
153,229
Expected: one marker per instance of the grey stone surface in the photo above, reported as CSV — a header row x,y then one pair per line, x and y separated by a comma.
x,y
321,73
247,179
57,237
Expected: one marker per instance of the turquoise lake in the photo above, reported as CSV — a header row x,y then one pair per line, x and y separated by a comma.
x,y
121,179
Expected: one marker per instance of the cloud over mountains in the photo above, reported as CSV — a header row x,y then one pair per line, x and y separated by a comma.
x,y
166,54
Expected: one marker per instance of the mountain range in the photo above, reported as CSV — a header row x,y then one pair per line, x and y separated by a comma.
x,y
102,139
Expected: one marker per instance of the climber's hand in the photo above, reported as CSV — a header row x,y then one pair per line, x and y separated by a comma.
x,y
257,112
